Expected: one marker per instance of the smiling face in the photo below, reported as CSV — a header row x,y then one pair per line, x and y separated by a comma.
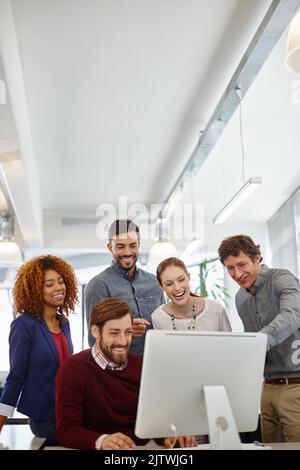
x,y
175,283
54,290
243,269
125,250
114,339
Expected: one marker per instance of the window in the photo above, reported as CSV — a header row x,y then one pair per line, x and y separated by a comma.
x,y
284,235
207,280
78,324
6,317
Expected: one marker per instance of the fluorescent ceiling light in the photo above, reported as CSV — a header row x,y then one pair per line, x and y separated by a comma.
x,y
238,199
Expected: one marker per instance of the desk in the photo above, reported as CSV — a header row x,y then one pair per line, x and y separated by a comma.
x,y
20,437
274,446
285,445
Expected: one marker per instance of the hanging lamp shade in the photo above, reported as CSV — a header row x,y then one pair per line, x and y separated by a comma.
x,y
161,250
293,45
10,252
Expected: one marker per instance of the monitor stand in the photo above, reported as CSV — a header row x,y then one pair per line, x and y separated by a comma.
x,y
221,424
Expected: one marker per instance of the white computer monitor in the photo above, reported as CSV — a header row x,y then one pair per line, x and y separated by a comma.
x,y
196,383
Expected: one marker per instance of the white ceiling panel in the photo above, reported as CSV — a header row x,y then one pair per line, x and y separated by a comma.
x,y
117,93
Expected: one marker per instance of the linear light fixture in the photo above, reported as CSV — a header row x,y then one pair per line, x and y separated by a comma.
x,y
249,187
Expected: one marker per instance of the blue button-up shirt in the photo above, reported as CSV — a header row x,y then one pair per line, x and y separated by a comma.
x,y
142,294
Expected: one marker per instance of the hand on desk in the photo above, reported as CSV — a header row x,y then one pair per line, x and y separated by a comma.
x,y
139,326
117,441
181,441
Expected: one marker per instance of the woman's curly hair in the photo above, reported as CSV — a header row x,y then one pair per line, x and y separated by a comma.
x,y
29,284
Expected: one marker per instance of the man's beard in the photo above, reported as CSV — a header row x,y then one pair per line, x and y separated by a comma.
x,y
116,358
118,260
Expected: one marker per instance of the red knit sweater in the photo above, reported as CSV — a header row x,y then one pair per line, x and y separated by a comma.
x,y
91,401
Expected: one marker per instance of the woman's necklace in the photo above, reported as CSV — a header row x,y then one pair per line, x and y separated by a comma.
x,y
192,323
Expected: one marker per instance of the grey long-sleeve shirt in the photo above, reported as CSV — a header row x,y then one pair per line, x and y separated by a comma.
x,y
273,307
142,294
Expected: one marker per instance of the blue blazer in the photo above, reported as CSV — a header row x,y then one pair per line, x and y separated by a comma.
x,y
34,363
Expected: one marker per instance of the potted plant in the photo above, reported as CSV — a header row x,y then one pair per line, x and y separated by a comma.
x,y
209,284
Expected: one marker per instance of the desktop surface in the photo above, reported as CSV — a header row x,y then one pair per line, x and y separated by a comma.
x,y
19,437
253,446
161,449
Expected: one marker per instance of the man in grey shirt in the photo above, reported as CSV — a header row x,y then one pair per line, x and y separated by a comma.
x,y
269,301
123,279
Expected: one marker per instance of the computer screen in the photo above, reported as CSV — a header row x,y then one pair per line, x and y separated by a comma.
x,y
190,379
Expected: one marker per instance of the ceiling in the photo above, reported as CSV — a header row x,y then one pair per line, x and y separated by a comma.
x,y
270,120
108,99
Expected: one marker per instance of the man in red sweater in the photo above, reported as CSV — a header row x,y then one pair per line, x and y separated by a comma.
x,y
97,389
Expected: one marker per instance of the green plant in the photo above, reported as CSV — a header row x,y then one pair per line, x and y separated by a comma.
x,y
210,284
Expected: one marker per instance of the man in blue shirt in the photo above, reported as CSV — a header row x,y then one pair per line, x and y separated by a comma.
x,y
269,301
123,279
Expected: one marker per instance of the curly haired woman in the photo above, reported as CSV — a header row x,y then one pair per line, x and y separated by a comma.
x,y
44,293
